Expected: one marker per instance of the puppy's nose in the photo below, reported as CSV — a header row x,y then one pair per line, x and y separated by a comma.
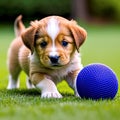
x,y
54,59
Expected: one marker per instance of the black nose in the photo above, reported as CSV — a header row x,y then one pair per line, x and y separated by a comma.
x,y
54,59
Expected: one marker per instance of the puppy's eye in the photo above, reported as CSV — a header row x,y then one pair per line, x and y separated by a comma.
x,y
43,44
64,43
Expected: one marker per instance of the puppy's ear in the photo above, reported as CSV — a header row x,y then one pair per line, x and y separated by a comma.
x,y
78,33
28,37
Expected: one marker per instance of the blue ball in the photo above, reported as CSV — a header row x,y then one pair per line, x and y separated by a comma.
x,y
97,81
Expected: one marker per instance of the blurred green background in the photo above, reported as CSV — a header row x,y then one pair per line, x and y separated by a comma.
x,y
83,9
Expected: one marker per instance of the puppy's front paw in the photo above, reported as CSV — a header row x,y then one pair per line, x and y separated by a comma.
x,y
51,95
48,89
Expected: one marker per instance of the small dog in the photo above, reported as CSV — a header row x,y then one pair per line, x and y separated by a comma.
x,y
48,52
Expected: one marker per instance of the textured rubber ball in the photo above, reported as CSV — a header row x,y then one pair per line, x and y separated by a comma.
x,y
97,81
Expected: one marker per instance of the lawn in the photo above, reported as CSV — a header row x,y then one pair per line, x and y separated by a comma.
x,y
102,45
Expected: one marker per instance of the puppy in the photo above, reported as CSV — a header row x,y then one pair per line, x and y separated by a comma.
x,y
48,52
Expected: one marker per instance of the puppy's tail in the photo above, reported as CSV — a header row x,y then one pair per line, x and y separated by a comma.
x,y
18,26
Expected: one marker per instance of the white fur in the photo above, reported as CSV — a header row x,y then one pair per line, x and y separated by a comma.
x,y
53,30
12,83
48,89
53,52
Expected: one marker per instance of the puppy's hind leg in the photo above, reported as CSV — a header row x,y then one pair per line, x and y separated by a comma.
x,y
13,64
12,83
14,69
13,79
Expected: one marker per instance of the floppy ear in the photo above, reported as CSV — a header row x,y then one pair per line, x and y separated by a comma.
x,y
28,37
79,34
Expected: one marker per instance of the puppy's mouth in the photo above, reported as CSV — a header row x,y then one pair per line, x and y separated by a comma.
x,y
55,65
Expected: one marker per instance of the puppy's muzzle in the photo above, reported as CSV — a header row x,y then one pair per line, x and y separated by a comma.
x,y
54,59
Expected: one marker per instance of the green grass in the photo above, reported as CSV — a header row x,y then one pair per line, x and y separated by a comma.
x,y
102,45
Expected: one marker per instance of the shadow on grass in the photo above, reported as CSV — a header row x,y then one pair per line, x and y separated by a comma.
x,y
31,92
26,92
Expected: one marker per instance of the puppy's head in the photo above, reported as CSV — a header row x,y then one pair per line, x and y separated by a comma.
x,y
54,40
